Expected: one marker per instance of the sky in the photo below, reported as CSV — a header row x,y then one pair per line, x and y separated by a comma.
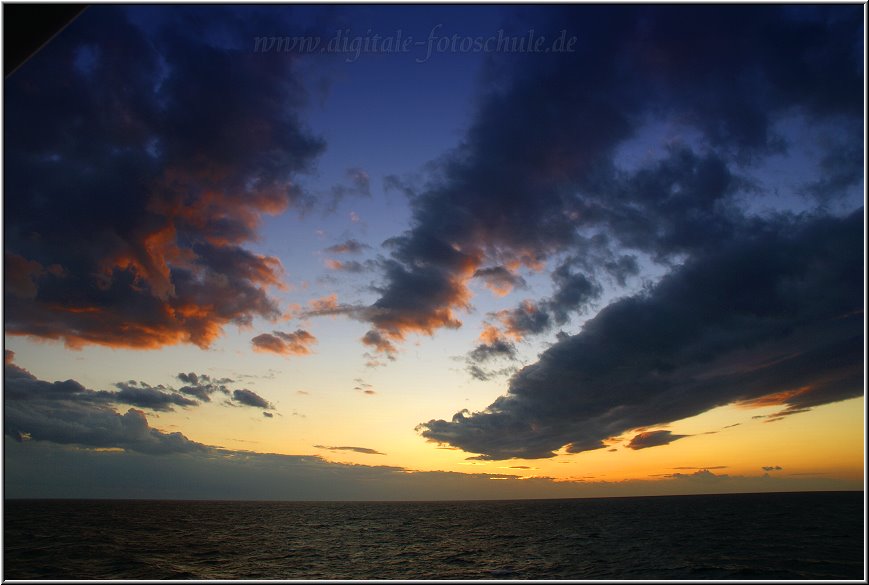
x,y
436,252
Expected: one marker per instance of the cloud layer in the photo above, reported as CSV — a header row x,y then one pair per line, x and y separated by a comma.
x,y
33,470
540,174
68,413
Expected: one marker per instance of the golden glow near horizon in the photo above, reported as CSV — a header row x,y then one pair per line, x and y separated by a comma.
x,y
328,411
319,405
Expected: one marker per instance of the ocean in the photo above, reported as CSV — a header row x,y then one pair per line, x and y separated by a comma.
x,y
740,536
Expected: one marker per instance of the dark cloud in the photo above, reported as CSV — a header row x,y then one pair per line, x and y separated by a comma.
x,y
202,386
653,439
251,398
774,313
68,413
145,396
364,450
348,247
508,202
771,468
528,318
295,343
268,414
131,192
494,347
483,374
573,293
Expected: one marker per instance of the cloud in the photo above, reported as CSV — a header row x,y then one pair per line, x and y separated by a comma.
x,y
364,450
494,346
500,280
348,265
653,439
295,343
771,468
202,386
702,474
132,194
251,398
364,387
324,305
526,319
68,413
573,292
348,247
777,308
145,396
379,343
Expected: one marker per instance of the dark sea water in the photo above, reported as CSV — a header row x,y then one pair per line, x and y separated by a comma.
x,y
745,536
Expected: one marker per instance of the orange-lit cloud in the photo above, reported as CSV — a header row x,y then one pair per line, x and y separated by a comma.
x,y
147,247
376,341
774,399
20,274
295,343
490,334
324,304
348,247
522,320
500,280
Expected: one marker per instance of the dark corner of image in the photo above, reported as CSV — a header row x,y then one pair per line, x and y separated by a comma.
x,y
28,27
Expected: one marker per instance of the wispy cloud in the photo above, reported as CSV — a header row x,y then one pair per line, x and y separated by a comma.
x,y
363,450
348,247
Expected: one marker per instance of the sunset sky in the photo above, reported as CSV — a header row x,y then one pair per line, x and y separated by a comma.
x,y
627,262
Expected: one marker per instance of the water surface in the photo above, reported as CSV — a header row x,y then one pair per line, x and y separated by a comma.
x,y
742,536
